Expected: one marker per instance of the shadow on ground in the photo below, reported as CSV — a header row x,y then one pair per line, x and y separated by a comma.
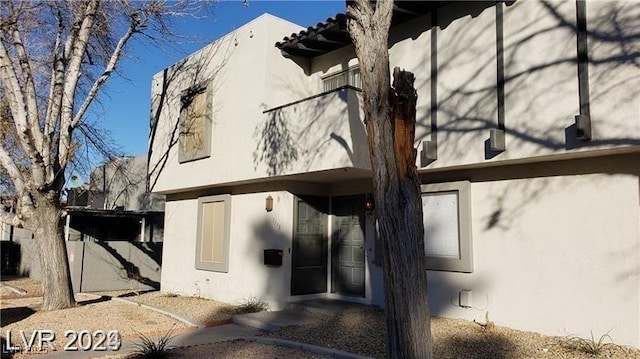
x,y
485,344
12,315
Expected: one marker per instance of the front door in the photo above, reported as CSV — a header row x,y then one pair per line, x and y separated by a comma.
x,y
347,249
309,250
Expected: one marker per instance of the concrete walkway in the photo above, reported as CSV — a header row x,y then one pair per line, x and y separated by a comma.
x,y
244,326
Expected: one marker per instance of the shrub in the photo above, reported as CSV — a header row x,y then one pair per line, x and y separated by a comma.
x,y
590,346
252,305
153,348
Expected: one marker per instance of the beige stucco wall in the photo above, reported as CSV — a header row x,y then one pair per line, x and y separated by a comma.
x,y
613,74
249,76
557,255
252,231
541,93
563,258
541,78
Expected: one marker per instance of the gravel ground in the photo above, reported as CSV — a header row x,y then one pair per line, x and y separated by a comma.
x,y
241,349
202,310
128,319
363,332
238,348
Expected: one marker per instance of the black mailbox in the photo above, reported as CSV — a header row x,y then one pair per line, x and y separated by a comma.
x,y
273,257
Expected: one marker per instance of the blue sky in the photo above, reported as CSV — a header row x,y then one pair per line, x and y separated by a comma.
x,y
124,105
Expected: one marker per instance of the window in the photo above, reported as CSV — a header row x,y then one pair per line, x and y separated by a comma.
x,y
195,123
447,226
212,243
350,77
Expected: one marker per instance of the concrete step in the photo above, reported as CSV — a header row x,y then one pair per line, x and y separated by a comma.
x,y
326,307
273,321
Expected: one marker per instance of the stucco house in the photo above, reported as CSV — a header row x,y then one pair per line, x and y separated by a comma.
x,y
529,143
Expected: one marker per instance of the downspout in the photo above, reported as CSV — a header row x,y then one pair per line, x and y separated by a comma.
x,y
143,224
66,227
104,186
583,120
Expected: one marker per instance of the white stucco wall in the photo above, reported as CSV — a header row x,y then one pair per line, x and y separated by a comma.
x,y
557,255
252,231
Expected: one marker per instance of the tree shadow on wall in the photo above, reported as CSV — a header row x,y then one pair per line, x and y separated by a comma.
x,y
276,147
131,270
168,127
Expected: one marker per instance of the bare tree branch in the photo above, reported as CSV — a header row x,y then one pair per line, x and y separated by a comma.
x,y
13,171
17,104
115,57
72,76
29,89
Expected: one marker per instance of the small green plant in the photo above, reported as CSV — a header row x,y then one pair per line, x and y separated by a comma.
x,y
590,345
153,348
170,295
252,305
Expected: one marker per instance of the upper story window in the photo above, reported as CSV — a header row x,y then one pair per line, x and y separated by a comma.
x,y
350,77
195,123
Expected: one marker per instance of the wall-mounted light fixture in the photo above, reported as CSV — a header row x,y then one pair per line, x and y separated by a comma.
x,y
369,205
268,206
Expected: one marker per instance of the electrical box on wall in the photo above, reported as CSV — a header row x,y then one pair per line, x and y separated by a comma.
x,y
465,298
273,257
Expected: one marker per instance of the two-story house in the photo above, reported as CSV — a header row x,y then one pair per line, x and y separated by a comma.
x,y
528,129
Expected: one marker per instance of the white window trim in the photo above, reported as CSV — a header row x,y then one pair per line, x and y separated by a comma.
x,y
214,267
465,261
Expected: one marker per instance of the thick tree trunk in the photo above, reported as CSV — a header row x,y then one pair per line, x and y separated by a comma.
x,y
54,264
399,209
390,115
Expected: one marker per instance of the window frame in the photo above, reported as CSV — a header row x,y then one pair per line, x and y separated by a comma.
x,y
464,263
206,88
210,266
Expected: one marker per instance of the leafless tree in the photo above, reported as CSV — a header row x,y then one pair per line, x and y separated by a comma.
x,y
55,58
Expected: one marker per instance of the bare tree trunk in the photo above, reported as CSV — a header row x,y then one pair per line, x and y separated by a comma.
x,y
42,117
399,209
54,264
390,115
